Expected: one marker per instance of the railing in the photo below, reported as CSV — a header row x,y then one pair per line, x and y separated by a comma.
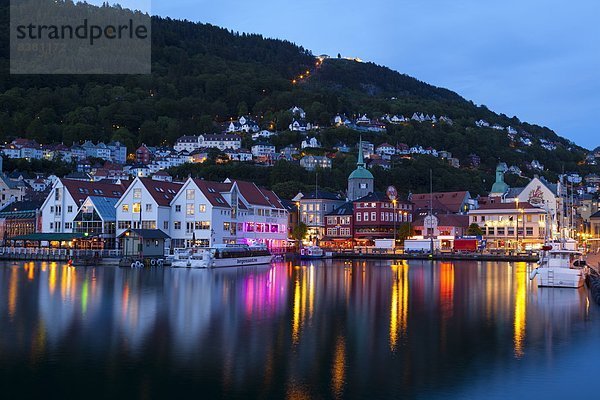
x,y
51,252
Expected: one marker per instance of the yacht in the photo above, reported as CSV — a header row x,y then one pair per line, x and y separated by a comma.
x,y
311,252
226,255
560,265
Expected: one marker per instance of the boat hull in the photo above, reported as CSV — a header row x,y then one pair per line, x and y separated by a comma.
x,y
560,277
223,262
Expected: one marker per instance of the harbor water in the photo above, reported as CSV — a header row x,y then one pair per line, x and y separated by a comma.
x,y
298,330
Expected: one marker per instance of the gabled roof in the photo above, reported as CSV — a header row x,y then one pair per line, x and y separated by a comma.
x,y
345,209
80,190
377,196
212,191
450,201
162,192
320,194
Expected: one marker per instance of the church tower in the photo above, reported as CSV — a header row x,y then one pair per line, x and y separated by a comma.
x,y
360,181
499,188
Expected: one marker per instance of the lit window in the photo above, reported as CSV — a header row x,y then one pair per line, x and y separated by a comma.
x,y
202,208
189,209
125,208
137,207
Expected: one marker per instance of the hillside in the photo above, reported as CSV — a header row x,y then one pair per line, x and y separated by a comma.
x,y
203,74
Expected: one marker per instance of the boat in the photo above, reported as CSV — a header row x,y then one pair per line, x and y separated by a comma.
x,y
560,265
311,252
226,255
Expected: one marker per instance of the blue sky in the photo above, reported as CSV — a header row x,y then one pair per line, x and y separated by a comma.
x,y
536,59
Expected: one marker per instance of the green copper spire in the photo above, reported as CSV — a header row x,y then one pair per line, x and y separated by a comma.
x,y
361,172
361,160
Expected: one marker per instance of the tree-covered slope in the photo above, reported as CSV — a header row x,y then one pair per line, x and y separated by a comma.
x,y
203,73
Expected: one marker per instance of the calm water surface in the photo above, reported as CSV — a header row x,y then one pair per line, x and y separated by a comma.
x,y
330,329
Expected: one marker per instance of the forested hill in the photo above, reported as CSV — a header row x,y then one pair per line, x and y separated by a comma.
x,y
203,74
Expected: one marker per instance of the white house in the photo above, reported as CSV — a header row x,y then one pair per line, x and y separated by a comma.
x,y
310,143
263,150
65,198
146,205
243,155
205,213
386,149
298,112
219,141
300,126
310,163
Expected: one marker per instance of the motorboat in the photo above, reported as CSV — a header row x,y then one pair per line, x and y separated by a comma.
x,y
226,255
560,265
311,252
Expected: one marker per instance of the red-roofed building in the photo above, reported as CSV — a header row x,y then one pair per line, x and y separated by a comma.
x,y
205,213
65,198
146,205
443,202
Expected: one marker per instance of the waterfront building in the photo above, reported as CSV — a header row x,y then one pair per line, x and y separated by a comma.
x,y
314,206
66,197
96,218
19,218
443,202
443,225
146,204
511,225
375,217
339,227
206,213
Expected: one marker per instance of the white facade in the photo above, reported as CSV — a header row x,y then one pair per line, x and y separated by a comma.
x,y
146,205
207,213
58,210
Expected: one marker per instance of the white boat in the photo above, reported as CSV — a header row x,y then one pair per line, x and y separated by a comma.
x,y
311,252
557,266
227,255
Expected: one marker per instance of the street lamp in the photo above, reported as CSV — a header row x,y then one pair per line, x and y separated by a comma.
x,y
395,217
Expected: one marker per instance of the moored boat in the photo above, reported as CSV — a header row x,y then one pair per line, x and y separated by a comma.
x,y
311,252
226,255
560,265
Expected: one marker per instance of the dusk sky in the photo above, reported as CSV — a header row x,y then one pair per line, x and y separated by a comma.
x,y
536,59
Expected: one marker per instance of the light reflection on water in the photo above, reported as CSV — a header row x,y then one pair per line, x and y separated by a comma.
x,y
328,329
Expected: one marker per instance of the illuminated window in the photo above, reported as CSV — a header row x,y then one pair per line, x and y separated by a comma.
x,y
202,208
137,207
125,208
189,209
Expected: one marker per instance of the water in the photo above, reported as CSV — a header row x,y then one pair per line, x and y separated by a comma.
x,y
331,329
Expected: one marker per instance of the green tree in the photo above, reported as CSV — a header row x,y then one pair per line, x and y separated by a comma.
x,y
300,231
474,230
404,231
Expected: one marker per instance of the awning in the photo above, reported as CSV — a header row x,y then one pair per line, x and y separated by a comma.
x,y
50,237
146,233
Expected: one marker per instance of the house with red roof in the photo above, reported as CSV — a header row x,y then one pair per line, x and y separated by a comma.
x,y
67,196
205,213
146,204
